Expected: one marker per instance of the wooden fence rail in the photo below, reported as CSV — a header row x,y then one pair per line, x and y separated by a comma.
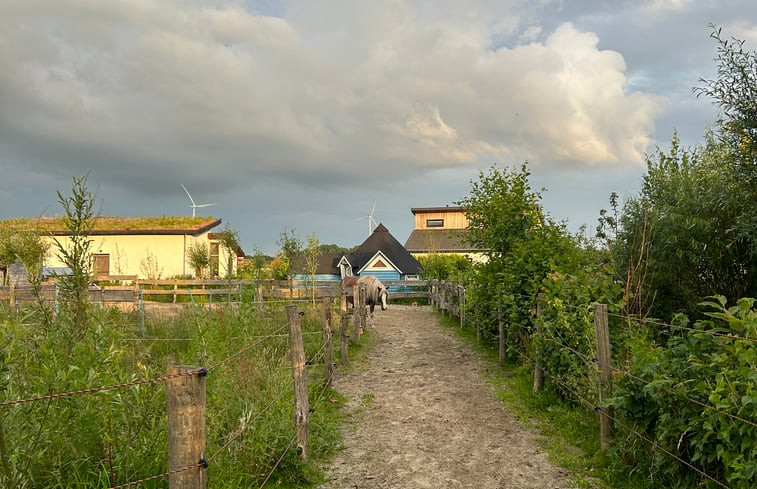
x,y
208,290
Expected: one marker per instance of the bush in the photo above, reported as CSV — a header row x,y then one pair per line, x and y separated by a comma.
x,y
692,395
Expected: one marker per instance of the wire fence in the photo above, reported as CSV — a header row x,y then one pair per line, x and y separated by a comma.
x,y
317,355
445,299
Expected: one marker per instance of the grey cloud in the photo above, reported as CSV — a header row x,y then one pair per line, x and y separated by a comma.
x,y
328,102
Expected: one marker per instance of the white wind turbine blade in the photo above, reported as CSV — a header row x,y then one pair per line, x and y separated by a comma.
x,y
188,195
193,205
371,221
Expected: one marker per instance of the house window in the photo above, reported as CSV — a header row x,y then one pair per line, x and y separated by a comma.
x,y
214,259
411,277
434,223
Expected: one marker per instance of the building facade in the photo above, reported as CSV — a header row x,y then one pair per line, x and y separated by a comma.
x,y
441,230
149,248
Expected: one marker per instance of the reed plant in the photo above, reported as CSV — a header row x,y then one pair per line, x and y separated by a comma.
x,y
118,435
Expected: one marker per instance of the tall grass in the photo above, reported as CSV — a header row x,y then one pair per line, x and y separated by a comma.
x,y
120,435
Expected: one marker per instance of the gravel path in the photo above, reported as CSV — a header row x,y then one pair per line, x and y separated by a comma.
x,y
424,417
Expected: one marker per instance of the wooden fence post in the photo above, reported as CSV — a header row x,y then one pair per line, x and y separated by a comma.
x,y
538,369
502,333
344,336
301,407
602,333
185,405
12,295
461,302
356,314
363,295
327,347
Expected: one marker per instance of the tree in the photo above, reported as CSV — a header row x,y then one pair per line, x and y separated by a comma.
x,y
445,267
683,233
229,240
290,248
80,218
501,209
735,92
312,252
199,258
522,244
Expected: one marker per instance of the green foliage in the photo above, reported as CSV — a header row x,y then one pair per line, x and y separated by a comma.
x,y
691,396
119,435
501,209
565,325
312,252
199,258
79,220
685,235
255,267
523,247
229,240
290,255
448,267
26,246
735,91
290,246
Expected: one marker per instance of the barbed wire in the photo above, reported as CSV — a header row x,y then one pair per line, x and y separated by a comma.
x,y
686,328
92,390
248,347
654,444
582,356
155,339
275,466
694,401
201,464
250,423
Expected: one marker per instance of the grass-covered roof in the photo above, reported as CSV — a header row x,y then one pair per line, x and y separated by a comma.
x,y
116,225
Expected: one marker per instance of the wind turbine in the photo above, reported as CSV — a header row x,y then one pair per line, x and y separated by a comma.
x,y
193,205
369,217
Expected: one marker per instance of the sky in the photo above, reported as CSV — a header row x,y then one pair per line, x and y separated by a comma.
x,y
302,115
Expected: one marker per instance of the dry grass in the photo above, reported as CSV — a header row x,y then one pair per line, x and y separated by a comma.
x,y
108,223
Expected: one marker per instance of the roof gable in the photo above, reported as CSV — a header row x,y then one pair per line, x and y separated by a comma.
x,y
381,240
379,260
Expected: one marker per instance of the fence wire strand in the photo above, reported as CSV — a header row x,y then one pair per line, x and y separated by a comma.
x,y
248,347
102,388
686,328
160,476
276,465
654,444
694,401
250,423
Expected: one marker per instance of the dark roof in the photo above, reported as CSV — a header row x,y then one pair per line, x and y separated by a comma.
x,y
416,210
383,241
327,263
438,241
380,240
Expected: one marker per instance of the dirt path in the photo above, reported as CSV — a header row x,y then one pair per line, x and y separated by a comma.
x,y
424,417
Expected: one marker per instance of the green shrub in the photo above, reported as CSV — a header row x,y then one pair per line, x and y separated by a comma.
x,y
691,397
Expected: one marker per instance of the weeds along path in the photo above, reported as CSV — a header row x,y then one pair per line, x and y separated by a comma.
x,y
422,416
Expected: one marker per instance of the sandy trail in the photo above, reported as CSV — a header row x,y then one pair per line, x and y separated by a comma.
x,y
424,417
